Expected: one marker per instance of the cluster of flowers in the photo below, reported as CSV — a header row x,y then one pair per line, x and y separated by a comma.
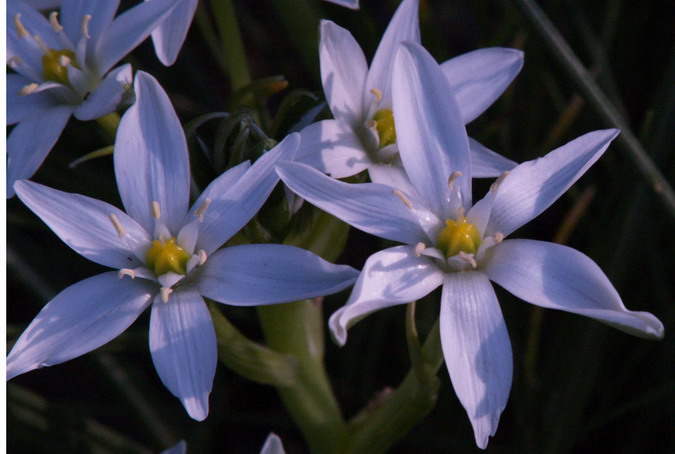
x,y
402,119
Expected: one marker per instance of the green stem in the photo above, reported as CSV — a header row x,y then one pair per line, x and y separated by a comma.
x,y
297,329
232,43
599,101
376,430
109,123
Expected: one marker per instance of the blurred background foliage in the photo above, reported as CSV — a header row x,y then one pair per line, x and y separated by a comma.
x,y
579,386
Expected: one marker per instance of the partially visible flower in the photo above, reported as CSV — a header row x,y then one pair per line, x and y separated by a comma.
x,y
450,243
169,36
273,445
178,448
363,135
62,68
351,4
40,4
166,255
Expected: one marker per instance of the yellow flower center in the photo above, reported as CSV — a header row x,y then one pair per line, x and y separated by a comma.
x,y
458,236
384,123
165,256
54,65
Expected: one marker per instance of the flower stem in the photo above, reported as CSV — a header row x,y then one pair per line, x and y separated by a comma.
x,y
297,329
232,43
109,123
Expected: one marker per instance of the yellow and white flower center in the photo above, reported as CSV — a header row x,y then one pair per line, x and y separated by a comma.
x,y
458,236
167,256
55,65
384,125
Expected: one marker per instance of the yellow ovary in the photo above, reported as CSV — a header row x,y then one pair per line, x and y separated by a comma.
x,y
458,236
165,256
53,65
384,123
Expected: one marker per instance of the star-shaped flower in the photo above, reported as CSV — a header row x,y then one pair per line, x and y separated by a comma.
x,y
167,255
362,135
62,68
450,243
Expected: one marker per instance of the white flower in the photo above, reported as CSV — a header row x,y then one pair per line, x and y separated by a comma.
x,y
169,37
362,135
166,255
63,68
450,243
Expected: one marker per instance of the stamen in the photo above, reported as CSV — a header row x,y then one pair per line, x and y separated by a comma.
x,y
499,237
202,257
64,61
460,213
156,212
28,89
419,248
377,93
498,182
202,209
117,224
451,179
54,21
403,198
14,61
126,272
85,25
164,293
20,29
372,125
468,258
41,43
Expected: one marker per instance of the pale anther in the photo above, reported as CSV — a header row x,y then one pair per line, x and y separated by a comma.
x,y
451,179
64,61
117,224
499,181
371,124
20,29
468,258
419,248
14,61
499,237
54,21
164,293
403,198
202,257
377,93
28,89
202,209
156,212
126,272
85,25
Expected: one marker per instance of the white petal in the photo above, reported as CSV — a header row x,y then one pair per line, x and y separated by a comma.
x,y
404,26
558,277
273,443
533,186
485,163
389,277
256,274
129,29
78,320
73,12
22,107
351,4
392,175
168,38
83,224
332,147
26,150
343,72
431,136
107,95
184,350
230,210
370,207
151,158
477,350
178,448
478,78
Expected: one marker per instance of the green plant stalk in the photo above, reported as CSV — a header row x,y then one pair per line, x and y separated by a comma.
x,y
376,430
599,101
297,329
109,123
232,43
